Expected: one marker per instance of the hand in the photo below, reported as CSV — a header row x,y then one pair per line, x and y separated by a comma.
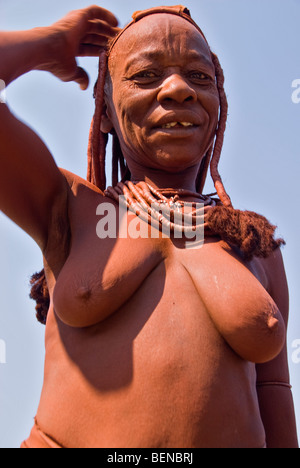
x,y
81,33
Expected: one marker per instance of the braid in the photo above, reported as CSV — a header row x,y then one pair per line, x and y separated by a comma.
x,y
213,155
97,139
115,161
119,163
201,178
219,134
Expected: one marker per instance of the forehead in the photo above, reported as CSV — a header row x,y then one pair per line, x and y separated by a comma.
x,y
158,36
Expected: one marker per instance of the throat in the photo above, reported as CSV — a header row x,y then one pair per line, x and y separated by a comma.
x,y
162,177
162,180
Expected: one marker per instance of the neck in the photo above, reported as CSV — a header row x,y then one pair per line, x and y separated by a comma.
x,y
159,179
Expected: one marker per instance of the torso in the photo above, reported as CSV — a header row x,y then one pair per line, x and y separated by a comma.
x,y
155,371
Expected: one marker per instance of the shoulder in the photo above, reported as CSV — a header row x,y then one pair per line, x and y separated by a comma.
x,y
75,182
75,207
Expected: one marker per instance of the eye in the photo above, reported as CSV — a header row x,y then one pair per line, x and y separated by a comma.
x,y
198,76
145,76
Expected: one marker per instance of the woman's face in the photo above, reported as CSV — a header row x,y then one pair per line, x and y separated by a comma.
x,y
162,99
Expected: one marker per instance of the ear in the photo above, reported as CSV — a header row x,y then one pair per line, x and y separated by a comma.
x,y
106,124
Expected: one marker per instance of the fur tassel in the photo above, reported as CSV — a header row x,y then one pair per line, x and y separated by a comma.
x,y
250,232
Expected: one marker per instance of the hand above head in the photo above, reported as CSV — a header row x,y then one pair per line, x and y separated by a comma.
x,y
81,33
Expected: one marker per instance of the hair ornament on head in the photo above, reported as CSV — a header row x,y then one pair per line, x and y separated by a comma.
x,y
98,140
177,10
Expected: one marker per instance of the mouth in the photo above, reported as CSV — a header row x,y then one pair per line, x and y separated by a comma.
x,y
171,125
176,129
181,123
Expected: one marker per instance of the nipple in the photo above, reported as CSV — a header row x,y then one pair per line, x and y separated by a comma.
x,y
84,293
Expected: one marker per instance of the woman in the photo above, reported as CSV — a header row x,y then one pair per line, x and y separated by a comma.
x,y
148,343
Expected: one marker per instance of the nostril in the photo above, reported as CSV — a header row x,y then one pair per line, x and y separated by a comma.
x,y
180,98
176,88
171,99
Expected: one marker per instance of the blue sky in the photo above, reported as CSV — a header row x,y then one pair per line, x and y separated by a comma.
x,y
257,42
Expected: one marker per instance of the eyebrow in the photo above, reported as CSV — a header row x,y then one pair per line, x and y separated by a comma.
x,y
191,56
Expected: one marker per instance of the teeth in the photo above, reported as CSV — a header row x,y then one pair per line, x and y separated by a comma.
x,y
173,124
186,124
170,125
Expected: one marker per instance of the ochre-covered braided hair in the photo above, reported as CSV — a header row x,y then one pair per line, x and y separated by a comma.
x,y
250,232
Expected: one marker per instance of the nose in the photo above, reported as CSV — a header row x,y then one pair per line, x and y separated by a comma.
x,y
176,88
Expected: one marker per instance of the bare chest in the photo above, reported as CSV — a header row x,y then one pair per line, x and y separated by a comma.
x,y
106,268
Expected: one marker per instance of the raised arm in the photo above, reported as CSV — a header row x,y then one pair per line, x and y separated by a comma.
x,y
32,188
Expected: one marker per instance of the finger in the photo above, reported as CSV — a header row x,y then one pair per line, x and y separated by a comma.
x,y
82,78
88,50
94,12
100,27
95,39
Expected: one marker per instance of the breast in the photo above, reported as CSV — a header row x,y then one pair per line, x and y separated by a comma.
x,y
99,276
240,307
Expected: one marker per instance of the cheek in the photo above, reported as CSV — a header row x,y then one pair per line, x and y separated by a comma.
x,y
127,119
130,114
211,103
134,105
123,107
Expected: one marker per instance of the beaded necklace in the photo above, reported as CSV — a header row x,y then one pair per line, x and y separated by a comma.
x,y
163,208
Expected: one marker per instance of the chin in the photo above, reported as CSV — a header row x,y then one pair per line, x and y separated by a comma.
x,y
175,162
